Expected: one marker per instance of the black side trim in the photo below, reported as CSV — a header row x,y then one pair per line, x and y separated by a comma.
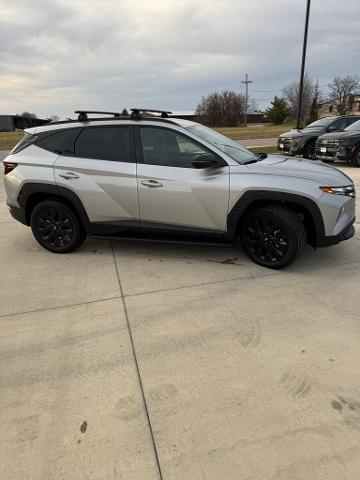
x,y
253,196
18,214
150,230
38,189
347,233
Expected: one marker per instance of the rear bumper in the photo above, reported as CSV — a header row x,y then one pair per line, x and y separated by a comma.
x,y
345,234
18,214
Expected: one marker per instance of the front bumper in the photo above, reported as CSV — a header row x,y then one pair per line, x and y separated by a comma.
x,y
333,154
345,234
287,147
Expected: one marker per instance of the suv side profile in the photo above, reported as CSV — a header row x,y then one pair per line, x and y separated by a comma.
x,y
166,178
302,142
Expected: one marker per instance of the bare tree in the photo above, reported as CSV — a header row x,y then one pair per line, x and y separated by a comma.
x,y
221,109
291,94
28,115
340,91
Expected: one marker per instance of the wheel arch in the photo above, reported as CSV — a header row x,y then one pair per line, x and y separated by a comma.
x,y
303,206
31,194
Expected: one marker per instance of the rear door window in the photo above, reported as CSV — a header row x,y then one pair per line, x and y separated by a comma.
x,y
104,143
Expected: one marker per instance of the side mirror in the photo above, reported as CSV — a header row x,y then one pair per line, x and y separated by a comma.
x,y
262,155
206,160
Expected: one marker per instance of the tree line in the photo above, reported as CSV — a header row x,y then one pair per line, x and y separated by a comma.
x,y
226,108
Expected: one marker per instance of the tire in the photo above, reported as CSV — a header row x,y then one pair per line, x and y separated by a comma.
x,y
56,227
273,236
309,150
355,161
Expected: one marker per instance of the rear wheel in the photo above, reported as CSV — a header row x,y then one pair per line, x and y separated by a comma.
x,y
273,236
309,150
355,161
56,227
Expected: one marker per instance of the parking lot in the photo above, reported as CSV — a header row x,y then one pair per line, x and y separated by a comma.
x,y
133,360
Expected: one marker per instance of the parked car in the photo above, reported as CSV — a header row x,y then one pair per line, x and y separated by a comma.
x,y
162,178
302,142
343,145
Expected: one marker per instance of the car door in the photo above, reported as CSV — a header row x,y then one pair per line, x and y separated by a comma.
x,y
100,168
173,195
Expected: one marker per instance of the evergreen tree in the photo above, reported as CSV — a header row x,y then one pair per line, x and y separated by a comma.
x,y
278,111
314,109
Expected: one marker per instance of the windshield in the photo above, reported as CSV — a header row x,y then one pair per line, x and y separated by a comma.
x,y
353,127
323,122
236,151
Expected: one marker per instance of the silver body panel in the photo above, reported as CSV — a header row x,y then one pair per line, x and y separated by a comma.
x,y
107,189
185,196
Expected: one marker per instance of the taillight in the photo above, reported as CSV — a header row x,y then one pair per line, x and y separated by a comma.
x,y
9,167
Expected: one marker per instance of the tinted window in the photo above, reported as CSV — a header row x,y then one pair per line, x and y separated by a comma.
x,y
354,127
351,120
104,143
339,124
59,142
163,147
323,122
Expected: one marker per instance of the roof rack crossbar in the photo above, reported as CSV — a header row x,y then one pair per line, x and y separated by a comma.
x,y
136,113
83,114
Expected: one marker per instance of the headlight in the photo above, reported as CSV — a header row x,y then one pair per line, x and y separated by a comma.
x,y
348,191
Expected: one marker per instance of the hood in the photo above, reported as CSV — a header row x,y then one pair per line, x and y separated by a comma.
x,y
340,135
314,170
301,133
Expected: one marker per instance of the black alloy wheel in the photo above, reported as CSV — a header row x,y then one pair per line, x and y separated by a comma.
x,y
56,227
273,236
356,158
309,151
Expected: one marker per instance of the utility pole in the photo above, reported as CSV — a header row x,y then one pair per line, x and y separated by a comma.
x,y
246,81
301,86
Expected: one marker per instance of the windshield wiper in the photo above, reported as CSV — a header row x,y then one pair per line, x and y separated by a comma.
x,y
254,160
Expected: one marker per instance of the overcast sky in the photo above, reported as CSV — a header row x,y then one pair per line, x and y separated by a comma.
x,y
60,55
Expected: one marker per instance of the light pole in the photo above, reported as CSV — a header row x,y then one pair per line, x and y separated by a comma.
x,y
301,85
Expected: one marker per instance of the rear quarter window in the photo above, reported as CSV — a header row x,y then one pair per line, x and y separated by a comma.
x,y
61,142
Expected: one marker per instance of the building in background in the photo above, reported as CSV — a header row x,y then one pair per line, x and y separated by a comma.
x,y
328,108
10,123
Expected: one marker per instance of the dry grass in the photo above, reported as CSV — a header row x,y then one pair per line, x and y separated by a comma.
x,y
8,140
263,149
256,131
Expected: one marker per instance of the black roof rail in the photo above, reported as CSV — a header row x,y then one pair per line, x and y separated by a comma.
x,y
136,113
83,114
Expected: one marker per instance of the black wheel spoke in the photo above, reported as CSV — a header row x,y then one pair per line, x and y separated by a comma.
x,y
55,227
266,239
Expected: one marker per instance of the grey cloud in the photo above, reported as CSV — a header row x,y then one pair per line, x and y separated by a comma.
x,y
60,55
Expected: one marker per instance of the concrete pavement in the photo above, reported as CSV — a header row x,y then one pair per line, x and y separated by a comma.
x,y
143,361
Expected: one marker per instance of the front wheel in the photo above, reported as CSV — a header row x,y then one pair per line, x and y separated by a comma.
x,y
273,236
56,227
355,161
309,151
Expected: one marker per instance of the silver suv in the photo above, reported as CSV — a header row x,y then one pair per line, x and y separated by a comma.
x,y
166,178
